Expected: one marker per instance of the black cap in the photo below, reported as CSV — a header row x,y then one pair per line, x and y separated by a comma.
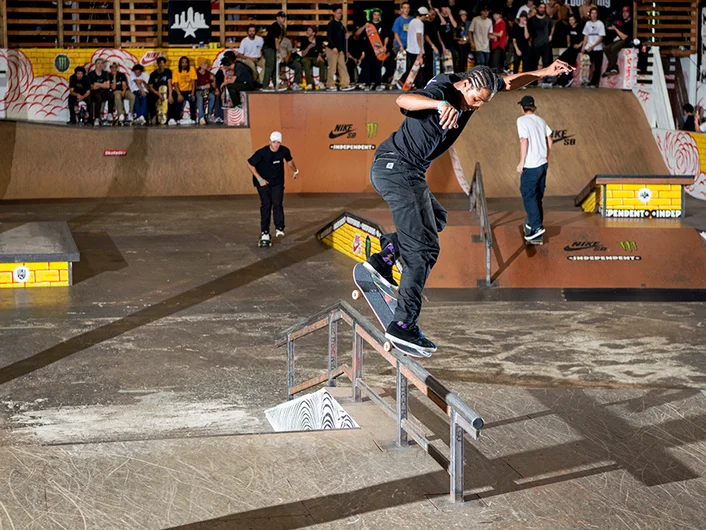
x,y
282,14
526,101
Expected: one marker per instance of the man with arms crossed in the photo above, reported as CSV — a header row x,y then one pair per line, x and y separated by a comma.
x,y
535,145
435,118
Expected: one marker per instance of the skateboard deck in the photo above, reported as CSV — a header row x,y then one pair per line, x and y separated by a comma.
x,y
447,61
412,76
437,63
162,106
383,302
584,69
400,66
374,38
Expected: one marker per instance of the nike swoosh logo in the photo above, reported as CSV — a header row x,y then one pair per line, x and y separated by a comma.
x,y
333,135
571,249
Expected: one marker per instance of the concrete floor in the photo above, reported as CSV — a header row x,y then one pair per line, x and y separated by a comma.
x,y
134,399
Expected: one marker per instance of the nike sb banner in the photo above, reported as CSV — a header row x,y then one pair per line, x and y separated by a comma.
x,y
189,21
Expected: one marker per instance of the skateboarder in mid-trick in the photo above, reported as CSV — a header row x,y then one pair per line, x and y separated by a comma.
x,y
435,118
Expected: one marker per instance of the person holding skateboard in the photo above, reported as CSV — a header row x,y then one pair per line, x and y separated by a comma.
x,y
434,119
415,48
267,167
376,39
535,145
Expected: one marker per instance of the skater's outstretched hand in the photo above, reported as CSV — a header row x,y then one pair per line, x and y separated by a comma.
x,y
448,116
558,68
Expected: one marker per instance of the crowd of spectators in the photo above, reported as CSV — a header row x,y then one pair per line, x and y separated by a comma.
x,y
504,34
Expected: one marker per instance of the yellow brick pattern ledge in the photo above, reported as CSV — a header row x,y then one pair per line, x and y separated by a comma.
x,y
624,197
39,274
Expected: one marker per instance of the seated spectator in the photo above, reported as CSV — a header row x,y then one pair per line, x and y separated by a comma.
x,y
162,76
119,88
594,31
79,90
335,52
100,90
288,58
689,118
462,38
527,8
355,56
521,44
139,87
372,66
574,43
205,91
250,53
184,89
232,78
585,10
498,41
623,35
311,50
481,28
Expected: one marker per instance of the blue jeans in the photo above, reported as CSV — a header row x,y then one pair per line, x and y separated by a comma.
x,y
482,58
532,184
199,102
140,105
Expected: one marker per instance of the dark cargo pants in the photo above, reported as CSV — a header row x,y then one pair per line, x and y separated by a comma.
x,y
418,218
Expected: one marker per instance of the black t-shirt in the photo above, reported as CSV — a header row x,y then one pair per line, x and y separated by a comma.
x,y
120,78
540,28
79,86
94,77
273,32
158,79
316,50
354,47
431,30
689,124
575,35
270,164
447,34
518,33
420,139
624,27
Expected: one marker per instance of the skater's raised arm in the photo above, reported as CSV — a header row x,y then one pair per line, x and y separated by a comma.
x,y
515,81
414,102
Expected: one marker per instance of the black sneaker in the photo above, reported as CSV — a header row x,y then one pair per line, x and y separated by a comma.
x,y
409,335
382,270
535,234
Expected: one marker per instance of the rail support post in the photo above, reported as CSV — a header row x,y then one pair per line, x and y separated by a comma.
x,y
402,406
456,460
357,363
290,368
332,349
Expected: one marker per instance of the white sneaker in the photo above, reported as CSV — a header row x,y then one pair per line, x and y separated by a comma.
x,y
309,87
279,233
96,122
331,89
171,122
121,119
347,88
202,121
296,87
380,88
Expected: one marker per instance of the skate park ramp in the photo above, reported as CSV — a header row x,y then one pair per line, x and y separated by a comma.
x,y
594,132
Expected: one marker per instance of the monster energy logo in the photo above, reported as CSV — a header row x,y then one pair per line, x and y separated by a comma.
x,y
372,129
368,247
628,246
369,13
62,63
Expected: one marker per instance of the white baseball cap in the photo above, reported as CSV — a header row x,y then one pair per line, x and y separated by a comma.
x,y
423,11
276,136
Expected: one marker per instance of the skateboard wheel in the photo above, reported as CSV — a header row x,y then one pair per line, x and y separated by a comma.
x,y
387,346
355,294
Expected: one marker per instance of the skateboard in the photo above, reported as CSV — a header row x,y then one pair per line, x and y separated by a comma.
x,y
400,67
584,69
374,38
409,82
437,63
447,62
383,301
162,106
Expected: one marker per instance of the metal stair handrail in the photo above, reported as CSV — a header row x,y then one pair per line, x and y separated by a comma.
x,y
462,417
479,204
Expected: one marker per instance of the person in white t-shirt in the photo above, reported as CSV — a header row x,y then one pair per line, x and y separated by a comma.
x,y
138,84
415,45
535,145
594,31
250,53
527,8
481,28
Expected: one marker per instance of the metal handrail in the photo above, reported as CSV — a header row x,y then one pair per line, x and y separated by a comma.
x,y
479,204
462,417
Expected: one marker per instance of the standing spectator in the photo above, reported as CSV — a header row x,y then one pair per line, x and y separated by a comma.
x,y
509,14
311,51
401,27
287,58
689,118
585,10
541,29
205,90
623,31
498,43
527,8
481,28
100,90
432,43
355,55
372,66
455,9
270,49
535,146
521,44
138,84
119,88
574,43
162,76
336,52
267,168
184,86
447,30
593,32
463,39
79,90
415,46
250,53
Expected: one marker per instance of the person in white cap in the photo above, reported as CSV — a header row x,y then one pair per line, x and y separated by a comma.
x,y
415,44
267,167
